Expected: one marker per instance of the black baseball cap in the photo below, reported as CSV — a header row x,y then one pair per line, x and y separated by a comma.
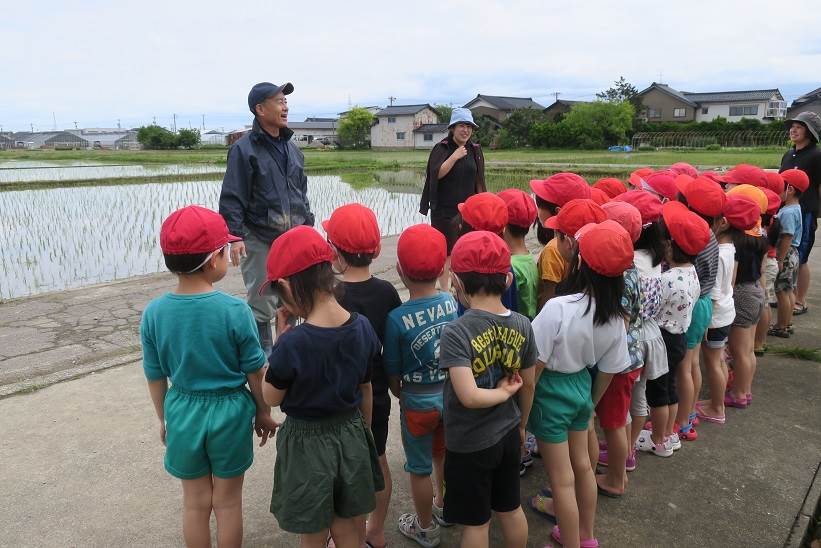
x,y
263,90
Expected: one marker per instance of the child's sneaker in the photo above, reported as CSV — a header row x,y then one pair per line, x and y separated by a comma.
x,y
439,515
630,464
675,441
409,526
688,433
531,445
603,457
645,443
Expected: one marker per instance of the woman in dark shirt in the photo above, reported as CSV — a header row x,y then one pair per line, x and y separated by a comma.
x,y
455,172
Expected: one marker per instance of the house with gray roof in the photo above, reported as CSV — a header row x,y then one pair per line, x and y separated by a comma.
x,y
48,139
322,130
394,126
560,106
499,107
810,101
665,104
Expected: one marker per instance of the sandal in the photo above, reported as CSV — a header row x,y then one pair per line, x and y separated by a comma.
x,y
537,504
716,419
730,401
799,309
585,543
775,331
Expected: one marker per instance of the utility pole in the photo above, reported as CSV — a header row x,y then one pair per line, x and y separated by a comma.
x,y
54,121
118,124
203,122
155,121
75,124
556,95
32,128
391,99
174,125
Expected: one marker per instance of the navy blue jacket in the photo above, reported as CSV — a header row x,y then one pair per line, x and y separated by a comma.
x,y
260,196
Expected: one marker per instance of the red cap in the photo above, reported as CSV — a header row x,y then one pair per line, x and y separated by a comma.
x,y
626,215
521,209
194,229
713,176
683,168
639,175
575,214
775,182
648,204
299,248
796,178
480,251
612,187
353,228
599,196
663,183
741,213
485,211
606,248
687,229
745,174
773,201
703,195
560,188
421,251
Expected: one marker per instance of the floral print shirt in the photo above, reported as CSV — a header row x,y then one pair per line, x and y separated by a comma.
x,y
679,292
631,302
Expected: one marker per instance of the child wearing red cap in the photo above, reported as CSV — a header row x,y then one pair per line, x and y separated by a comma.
x,y
412,362
686,235
573,333
521,212
319,373
206,343
489,353
353,232
772,227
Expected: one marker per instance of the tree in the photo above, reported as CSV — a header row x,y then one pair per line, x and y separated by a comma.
x,y
599,124
516,128
355,128
188,138
156,137
444,112
621,91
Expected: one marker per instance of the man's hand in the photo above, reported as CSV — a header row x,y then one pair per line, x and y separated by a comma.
x,y
265,426
459,153
162,432
237,252
510,383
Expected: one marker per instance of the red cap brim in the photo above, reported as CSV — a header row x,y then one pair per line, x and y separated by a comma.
x,y
552,222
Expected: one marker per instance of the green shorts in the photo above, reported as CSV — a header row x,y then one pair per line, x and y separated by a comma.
x,y
562,403
702,316
209,432
324,468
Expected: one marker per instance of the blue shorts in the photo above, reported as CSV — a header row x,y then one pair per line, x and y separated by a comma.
x,y
423,431
809,223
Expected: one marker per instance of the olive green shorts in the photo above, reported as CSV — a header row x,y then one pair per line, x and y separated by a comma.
x,y
324,468
209,432
562,403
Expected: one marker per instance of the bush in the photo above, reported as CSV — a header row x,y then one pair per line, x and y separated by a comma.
x,y
713,146
355,129
188,138
646,148
156,137
599,124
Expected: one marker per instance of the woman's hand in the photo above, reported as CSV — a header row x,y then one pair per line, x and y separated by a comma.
x,y
459,153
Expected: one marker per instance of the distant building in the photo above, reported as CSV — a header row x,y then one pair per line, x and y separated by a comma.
x,y
108,139
315,130
427,135
233,136
58,140
395,125
808,102
560,106
6,142
498,107
213,137
665,104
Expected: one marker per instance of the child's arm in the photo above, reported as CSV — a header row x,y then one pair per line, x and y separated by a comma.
x,y
525,396
395,385
264,423
272,395
601,384
783,247
157,389
366,405
473,397
547,290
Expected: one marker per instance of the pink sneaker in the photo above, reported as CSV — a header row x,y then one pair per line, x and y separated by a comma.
x,y
585,543
630,465
603,457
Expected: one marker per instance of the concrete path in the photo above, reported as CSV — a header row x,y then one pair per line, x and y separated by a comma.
x,y
82,462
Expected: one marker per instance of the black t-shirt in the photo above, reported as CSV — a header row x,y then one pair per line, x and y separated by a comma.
x,y
322,367
808,159
459,184
749,256
374,299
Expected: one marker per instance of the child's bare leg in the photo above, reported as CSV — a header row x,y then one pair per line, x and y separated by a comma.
x,y
196,502
636,426
422,492
761,328
785,307
716,380
439,480
592,444
514,528
556,459
671,419
617,449
346,531
227,502
313,540
375,530
585,486
475,536
685,389
742,361
695,368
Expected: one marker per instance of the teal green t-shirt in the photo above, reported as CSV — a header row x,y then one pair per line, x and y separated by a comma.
x,y
527,280
207,341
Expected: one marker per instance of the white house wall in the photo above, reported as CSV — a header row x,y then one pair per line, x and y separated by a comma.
x,y
383,134
714,110
419,139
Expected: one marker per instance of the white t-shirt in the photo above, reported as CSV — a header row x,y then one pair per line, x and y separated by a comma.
x,y
567,341
722,293
679,292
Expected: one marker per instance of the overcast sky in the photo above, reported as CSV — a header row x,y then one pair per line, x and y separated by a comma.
x,y
95,62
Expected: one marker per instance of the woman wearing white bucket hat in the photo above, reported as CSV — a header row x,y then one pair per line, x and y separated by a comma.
x,y
455,172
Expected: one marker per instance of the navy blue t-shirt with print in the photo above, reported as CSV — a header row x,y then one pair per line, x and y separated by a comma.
x,y
322,367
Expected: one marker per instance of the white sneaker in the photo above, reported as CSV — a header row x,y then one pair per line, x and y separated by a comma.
x,y
439,515
409,526
645,443
675,441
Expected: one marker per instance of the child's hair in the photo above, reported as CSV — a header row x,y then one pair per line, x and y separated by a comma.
x,y
604,290
753,244
677,255
186,264
796,192
518,231
773,229
543,234
318,278
489,284
544,204
650,239
356,259
681,198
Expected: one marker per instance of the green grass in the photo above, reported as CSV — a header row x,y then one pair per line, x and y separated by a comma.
x,y
798,352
